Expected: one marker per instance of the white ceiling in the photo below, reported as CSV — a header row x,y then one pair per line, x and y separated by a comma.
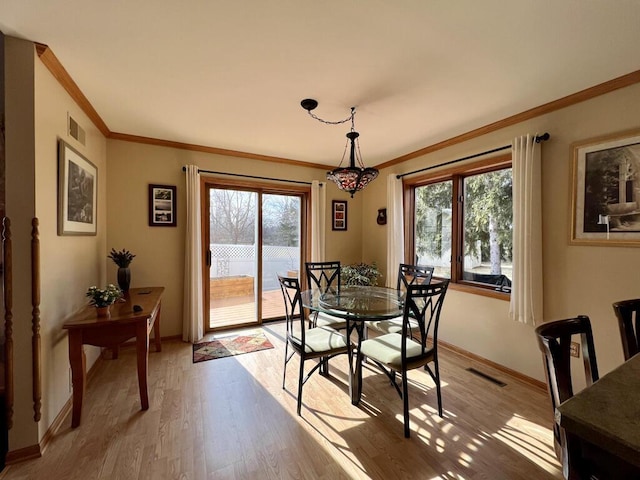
x,y
231,73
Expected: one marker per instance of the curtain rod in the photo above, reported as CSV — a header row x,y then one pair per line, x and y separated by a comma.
x,y
539,138
184,169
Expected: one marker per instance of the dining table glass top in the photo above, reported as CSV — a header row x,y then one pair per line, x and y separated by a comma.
x,y
356,302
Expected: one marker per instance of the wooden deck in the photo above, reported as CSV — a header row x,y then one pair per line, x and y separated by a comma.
x,y
240,310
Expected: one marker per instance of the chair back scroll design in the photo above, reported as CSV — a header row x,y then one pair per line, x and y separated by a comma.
x,y
407,275
323,275
290,287
628,312
413,274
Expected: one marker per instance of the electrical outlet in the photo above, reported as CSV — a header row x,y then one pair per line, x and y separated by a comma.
x,y
575,349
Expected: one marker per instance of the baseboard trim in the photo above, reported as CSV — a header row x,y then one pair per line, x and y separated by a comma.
x,y
23,454
36,451
501,368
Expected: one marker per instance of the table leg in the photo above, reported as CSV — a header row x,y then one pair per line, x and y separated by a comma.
x,y
77,361
142,350
156,330
355,371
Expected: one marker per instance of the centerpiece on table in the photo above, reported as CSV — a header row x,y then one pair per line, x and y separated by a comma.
x,y
122,259
359,274
103,298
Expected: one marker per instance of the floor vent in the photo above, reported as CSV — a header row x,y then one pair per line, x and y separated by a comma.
x,y
486,377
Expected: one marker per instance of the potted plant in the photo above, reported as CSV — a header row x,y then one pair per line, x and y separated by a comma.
x,y
122,259
359,274
103,298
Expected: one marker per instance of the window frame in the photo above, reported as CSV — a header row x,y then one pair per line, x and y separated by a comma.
x,y
457,175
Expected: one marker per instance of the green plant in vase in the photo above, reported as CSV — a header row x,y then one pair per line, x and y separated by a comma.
x,y
361,274
122,259
103,297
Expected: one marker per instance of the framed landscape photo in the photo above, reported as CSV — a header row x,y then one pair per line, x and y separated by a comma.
x,y
339,215
606,190
77,192
162,206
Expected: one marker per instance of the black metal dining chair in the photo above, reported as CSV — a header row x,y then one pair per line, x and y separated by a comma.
x,y
629,323
407,275
399,352
320,343
324,277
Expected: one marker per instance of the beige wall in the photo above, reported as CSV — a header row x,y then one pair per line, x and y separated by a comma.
x,y
160,250
68,264
37,108
577,279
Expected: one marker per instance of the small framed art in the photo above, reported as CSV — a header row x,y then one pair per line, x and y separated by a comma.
x,y
339,215
162,206
77,192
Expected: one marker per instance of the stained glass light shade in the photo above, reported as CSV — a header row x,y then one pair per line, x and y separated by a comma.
x,y
352,178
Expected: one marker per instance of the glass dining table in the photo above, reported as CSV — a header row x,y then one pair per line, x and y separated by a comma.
x,y
357,305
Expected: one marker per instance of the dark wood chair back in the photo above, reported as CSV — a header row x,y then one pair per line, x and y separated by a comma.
x,y
629,323
554,340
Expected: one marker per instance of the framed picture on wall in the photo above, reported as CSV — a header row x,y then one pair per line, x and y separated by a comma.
x,y
162,206
606,190
77,192
339,215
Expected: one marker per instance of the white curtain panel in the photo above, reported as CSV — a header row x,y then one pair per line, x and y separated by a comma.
x,y
192,318
526,293
318,220
395,229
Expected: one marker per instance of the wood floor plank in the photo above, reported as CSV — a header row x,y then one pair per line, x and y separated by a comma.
x,y
230,419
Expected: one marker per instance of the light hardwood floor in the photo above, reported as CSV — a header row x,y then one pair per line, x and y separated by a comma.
x,y
230,419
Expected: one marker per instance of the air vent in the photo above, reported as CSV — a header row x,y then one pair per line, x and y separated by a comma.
x,y
76,131
486,377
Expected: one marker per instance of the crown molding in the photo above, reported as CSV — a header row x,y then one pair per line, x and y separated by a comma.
x,y
214,150
50,61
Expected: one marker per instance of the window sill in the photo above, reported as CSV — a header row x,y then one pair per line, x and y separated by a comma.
x,y
485,292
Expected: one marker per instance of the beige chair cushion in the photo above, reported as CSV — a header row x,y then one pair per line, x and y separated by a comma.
x,y
387,349
326,320
322,339
393,325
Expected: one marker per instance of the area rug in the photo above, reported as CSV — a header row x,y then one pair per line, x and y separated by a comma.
x,y
229,345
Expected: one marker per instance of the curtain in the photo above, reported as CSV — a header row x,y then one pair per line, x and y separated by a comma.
x,y
192,318
395,229
526,293
318,212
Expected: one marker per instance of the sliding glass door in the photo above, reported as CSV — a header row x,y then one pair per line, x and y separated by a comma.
x,y
252,233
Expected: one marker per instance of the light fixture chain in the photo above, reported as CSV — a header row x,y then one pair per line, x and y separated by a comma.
x,y
350,117
359,155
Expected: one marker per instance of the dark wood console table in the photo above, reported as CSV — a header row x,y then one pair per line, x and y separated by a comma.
x,y
86,328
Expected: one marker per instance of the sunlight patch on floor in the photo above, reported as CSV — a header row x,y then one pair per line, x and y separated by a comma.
x,y
525,437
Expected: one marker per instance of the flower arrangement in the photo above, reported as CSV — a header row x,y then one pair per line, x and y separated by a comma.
x,y
122,258
359,274
103,297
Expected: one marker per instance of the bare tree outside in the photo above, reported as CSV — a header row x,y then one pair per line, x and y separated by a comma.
x,y
232,217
